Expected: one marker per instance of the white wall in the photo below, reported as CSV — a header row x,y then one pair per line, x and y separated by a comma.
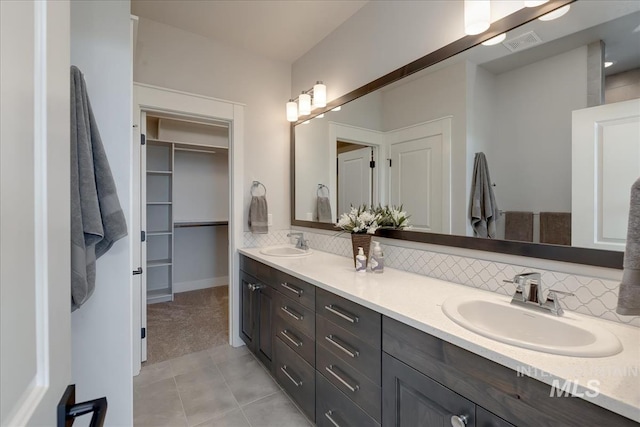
x,y
101,328
380,37
176,59
542,147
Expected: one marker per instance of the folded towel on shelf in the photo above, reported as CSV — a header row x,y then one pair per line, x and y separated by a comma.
x,y
555,228
484,210
258,215
97,220
323,209
629,294
518,226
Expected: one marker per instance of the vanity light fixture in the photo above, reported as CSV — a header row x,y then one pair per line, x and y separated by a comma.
x,y
555,14
316,97
497,39
534,3
477,16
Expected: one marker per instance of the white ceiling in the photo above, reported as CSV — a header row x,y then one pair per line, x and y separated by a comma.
x,y
278,29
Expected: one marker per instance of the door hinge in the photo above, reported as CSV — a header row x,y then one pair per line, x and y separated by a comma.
x,y
389,162
143,236
143,333
138,271
143,139
372,164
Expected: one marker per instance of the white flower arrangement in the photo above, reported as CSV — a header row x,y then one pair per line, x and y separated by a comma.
x,y
393,217
359,220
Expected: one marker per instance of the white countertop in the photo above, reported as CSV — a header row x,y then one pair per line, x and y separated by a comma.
x,y
416,300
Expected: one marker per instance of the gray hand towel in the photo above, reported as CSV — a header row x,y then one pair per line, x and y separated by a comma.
x,y
629,294
323,209
258,215
484,210
97,220
518,226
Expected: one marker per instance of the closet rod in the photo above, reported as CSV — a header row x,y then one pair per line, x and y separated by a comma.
x,y
194,150
200,224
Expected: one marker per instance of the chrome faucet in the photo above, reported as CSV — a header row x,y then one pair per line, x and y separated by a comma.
x,y
530,293
301,243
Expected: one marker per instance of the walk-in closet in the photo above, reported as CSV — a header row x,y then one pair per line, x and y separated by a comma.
x,y
184,218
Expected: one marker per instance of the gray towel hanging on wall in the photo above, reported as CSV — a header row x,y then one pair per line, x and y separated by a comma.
x,y
97,220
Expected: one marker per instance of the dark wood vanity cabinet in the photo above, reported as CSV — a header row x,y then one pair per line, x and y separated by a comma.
x,y
347,365
256,320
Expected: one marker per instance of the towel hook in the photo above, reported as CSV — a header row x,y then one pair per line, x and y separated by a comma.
x,y
258,184
320,187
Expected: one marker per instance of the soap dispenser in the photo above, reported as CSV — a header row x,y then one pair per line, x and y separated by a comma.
x,y
376,262
361,261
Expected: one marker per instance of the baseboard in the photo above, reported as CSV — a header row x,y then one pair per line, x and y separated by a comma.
x,y
195,285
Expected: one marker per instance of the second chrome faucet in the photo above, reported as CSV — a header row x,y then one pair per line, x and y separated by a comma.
x,y
530,293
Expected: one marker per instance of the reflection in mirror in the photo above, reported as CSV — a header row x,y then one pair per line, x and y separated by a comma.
x,y
524,103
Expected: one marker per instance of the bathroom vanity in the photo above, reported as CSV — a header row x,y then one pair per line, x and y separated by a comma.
x,y
369,350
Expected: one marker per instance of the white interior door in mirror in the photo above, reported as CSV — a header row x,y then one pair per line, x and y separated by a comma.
x,y
354,179
605,163
420,177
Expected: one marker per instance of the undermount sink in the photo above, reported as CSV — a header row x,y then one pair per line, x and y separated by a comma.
x,y
285,251
496,318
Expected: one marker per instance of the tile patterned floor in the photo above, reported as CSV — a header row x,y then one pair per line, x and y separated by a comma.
x,y
222,386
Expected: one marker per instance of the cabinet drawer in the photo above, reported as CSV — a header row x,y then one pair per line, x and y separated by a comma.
x,y
334,409
249,265
297,315
358,320
296,340
302,292
350,381
297,377
485,418
349,348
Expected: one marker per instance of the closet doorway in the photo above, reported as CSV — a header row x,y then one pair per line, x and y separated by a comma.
x,y
186,254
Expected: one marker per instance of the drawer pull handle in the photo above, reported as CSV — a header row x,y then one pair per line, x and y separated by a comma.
x,y
283,368
292,288
341,313
293,341
332,340
329,414
292,313
352,388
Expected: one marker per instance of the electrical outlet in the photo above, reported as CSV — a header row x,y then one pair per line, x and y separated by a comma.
x,y
269,220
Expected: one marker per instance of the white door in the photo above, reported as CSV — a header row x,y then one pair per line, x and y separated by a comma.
x,y
605,163
354,179
420,174
35,296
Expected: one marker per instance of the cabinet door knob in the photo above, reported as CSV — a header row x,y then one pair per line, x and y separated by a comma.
x,y
459,420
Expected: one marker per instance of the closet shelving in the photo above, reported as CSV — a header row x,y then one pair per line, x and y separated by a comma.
x,y
167,139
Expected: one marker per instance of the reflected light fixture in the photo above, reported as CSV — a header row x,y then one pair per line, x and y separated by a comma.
x,y
555,14
319,116
477,16
338,108
534,3
495,40
608,64
316,97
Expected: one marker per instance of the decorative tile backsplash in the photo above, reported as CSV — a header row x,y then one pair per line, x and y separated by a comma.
x,y
593,296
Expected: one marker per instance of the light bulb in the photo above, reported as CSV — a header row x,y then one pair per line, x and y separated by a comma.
x,y
304,104
320,116
338,108
495,40
608,64
292,111
555,14
319,95
477,16
306,122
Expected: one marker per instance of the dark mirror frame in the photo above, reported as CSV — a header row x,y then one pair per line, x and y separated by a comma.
x,y
586,256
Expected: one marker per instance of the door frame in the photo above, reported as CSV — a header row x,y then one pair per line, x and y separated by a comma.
x,y
149,98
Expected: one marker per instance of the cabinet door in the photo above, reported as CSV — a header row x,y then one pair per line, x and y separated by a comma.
x,y
265,325
485,418
248,310
411,399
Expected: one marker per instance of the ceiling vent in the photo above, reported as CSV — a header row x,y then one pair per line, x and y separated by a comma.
x,y
522,42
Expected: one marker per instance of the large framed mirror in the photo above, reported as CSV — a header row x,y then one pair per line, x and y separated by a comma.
x,y
411,138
